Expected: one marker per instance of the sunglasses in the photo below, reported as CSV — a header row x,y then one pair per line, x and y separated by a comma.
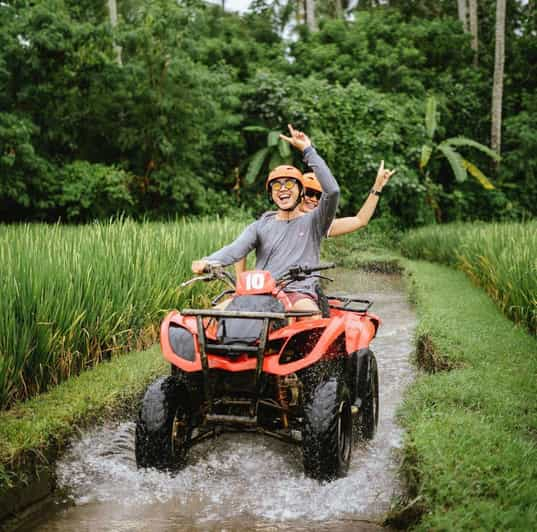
x,y
313,193
287,184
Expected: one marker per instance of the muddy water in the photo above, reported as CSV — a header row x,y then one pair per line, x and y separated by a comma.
x,y
245,482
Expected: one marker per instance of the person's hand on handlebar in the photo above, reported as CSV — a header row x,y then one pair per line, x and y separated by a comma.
x,y
204,266
199,266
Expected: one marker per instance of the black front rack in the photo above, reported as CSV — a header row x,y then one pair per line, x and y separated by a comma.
x,y
258,349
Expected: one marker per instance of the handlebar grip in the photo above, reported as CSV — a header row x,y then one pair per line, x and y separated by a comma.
x,y
326,266
319,267
211,267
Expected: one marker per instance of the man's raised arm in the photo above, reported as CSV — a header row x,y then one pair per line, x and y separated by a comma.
x,y
326,211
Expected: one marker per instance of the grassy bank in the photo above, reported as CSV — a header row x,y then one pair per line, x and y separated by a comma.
x,y
370,248
31,433
73,295
501,258
471,446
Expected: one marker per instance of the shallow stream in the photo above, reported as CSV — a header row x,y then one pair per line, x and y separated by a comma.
x,y
245,481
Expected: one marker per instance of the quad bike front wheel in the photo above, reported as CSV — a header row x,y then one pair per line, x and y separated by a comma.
x,y
327,430
367,420
163,427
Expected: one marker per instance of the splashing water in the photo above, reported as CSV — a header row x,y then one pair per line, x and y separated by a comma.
x,y
247,481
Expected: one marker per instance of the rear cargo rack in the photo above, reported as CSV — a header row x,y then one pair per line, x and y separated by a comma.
x,y
348,301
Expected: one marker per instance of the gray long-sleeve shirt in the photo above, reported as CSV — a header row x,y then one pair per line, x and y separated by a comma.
x,y
280,244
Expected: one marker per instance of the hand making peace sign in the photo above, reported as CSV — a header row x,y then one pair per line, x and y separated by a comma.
x,y
298,139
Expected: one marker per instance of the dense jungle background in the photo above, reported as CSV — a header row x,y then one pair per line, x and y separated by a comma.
x,y
170,108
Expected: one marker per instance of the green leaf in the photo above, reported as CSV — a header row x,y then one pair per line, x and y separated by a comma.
x,y
256,162
255,129
478,174
430,116
275,160
273,138
463,141
426,151
455,161
285,150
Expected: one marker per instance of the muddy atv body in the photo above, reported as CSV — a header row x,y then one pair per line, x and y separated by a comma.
x,y
257,366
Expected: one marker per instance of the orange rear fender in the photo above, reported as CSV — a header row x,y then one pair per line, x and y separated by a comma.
x,y
359,331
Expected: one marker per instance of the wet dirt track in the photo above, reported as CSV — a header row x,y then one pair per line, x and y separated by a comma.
x,y
244,481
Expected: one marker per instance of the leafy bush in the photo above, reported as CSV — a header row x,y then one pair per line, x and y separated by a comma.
x,y
26,179
354,128
94,191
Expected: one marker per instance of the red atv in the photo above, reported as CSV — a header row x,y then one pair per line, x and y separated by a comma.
x,y
257,366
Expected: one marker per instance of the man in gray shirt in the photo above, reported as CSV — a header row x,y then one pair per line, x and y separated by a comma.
x,y
287,237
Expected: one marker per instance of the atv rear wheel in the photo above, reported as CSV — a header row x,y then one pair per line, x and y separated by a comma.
x,y
327,431
163,427
368,417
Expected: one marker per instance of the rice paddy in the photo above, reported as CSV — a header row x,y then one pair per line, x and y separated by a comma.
x,y
499,257
74,295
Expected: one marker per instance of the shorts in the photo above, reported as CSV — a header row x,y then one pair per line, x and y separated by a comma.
x,y
297,296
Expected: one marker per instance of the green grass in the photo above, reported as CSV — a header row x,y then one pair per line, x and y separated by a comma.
x,y
73,295
471,445
31,431
370,248
501,258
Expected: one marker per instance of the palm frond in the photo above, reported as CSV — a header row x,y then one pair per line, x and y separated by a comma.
x,y
255,129
478,174
285,150
273,138
430,116
275,160
255,165
455,161
463,141
426,151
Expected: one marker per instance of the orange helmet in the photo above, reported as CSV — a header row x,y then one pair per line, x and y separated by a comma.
x,y
310,181
284,171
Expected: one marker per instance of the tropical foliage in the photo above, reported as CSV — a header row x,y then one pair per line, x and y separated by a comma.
x,y
172,126
447,148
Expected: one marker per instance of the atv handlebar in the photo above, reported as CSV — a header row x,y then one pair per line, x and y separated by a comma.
x,y
299,273
296,272
214,271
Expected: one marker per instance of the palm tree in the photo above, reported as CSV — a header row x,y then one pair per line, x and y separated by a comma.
x,y
448,149
462,10
338,8
472,10
112,10
497,87
311,21
276,152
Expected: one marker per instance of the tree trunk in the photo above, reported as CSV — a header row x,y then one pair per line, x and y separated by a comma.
x,y
112,10
497,88
472,8
463,14
300,11
338,9
310,15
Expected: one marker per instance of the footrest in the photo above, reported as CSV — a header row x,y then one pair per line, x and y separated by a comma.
x,y
224,419
355,408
